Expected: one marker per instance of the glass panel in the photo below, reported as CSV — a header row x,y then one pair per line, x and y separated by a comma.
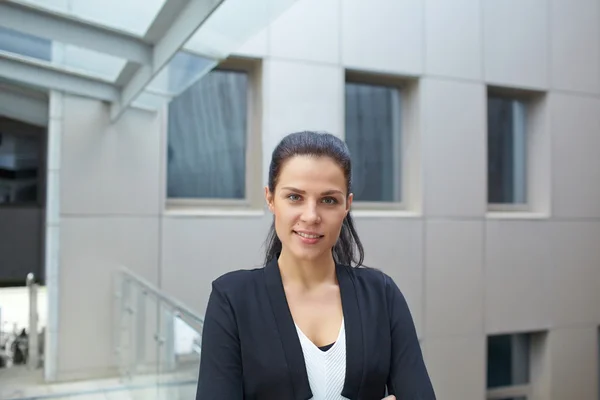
x,y
233,23
90,62
182,71
157,343
72,57
207,138
507,151
134,16
25,44
374,140
508,360
138,341
179,358
19,165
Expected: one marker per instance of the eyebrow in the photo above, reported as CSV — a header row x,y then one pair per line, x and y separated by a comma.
x,y
325,193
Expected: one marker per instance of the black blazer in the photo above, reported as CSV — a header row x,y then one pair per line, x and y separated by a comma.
x,y
251,349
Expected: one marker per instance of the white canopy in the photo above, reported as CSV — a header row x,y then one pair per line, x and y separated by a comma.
x,y
126,52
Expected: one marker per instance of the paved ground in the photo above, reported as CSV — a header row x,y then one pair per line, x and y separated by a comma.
x,y
22,384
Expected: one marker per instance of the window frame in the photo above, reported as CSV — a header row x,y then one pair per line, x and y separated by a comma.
x,y
538,371
537,151
253,194
506,392
407,125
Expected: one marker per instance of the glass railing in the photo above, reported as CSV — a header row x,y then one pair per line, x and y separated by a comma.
x,y
157,341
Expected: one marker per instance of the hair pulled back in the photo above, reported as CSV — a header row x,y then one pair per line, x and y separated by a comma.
x,y
348,249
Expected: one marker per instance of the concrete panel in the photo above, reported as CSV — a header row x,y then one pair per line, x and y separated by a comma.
x,y
395,246
383,35
92,249
292,36
455,185
575,45
453,38
454,278
196,251
516,43
453,379
575,123
518,265
575,280
109,168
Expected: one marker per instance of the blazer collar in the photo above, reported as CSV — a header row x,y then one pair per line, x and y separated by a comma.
x,y
291,343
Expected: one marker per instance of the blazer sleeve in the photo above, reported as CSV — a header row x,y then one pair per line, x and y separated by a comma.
x,y
408,378
220,375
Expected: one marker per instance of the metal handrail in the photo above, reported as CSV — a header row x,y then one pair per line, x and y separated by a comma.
x,y
183,312
33,345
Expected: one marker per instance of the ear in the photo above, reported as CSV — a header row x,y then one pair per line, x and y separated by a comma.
x,y
349,202
269,199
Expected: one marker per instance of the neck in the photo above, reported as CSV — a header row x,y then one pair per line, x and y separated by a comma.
x,y
308,274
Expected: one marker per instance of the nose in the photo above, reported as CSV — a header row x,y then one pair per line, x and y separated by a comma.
x,y
310,214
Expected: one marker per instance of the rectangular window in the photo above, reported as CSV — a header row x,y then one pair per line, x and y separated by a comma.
x,y
20,156
507,150
374,137
209,147
509,366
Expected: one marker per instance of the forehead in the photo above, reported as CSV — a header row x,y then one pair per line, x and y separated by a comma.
x,y
312,170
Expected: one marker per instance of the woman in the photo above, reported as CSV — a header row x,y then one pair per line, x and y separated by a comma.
x,y
308,324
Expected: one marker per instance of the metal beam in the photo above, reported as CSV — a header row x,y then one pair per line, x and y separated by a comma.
x,y
24,105
71,30
40,74
174,25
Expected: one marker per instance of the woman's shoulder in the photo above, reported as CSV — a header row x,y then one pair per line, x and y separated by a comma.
x,y
236,279
373,278
369,274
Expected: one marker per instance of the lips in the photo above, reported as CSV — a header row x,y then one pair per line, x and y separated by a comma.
x,y
308,235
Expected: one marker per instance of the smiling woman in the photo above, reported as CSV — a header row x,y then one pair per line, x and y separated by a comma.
x,y
313,323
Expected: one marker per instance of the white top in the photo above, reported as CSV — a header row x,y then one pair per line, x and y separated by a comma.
x,y
326,369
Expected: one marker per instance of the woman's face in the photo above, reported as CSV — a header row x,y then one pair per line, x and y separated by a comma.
x,y
310,203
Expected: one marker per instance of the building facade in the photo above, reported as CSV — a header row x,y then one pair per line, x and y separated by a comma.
x,y
474,125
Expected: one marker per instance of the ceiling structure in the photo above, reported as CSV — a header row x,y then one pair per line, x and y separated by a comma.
x,y
138,53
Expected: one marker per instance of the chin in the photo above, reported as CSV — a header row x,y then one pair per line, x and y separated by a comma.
x,y
309,254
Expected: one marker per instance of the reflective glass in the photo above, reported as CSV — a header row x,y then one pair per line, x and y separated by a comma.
x,y
233,23
507,151
181,73
373,136
227,28
19,163
71,57
92,62
508,360
134,16
207,139
25,44
157,343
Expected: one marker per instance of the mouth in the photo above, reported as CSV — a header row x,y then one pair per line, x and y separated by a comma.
x,y
309,236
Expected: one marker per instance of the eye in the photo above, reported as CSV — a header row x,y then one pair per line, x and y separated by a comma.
x,y
294,197
330,200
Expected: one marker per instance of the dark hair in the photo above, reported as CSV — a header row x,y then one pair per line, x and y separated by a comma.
x,y
348,249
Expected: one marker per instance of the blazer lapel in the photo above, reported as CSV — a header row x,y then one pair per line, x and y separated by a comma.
x,y
354,333
287,332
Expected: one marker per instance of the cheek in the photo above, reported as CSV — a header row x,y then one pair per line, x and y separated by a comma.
x,y
285,216
336,219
